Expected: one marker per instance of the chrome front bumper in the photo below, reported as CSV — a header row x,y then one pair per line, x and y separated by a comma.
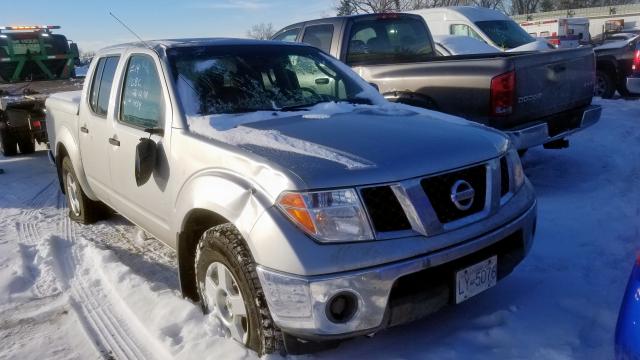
x,y
538,134
633,85
298,304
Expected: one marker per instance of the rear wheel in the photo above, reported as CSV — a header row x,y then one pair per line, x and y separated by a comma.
x,y
26,143
81,208
605,86
230,290
8,143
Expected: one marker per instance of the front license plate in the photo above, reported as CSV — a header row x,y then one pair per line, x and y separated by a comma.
x,y
476,279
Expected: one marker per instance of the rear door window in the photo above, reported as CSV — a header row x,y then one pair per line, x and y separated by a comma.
x,y
319,36
389,40
101,85
289,36
142,99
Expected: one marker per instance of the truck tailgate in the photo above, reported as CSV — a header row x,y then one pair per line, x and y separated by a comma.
x,y
551,82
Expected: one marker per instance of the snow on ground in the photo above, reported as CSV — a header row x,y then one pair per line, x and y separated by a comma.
x,y
69,291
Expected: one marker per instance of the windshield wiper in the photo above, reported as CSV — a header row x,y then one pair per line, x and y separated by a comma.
x,y
357,100
299,107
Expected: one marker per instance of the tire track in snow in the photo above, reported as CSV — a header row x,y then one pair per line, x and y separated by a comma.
x,y
45,282
115,335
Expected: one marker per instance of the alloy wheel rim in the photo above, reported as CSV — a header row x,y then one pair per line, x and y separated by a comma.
x,y
224,300
72,194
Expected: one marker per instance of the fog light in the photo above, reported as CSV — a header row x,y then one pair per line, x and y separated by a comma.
x,y
342,307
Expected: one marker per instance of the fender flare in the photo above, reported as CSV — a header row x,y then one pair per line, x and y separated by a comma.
x,y
66,140
213,197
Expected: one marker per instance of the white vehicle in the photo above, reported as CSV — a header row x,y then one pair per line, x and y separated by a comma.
x,y
487,25
561,32
447,45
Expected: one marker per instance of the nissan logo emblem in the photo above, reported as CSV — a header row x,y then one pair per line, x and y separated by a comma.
x,y
462,195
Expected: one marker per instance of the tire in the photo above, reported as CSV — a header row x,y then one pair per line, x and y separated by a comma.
x,y
605,87
81,208
8,143
221,250
26,143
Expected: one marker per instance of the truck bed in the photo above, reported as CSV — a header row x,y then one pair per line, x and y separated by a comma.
x,y
546,83
16,94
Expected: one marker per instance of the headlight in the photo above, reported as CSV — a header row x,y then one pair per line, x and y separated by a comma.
x,y
329,216
517,173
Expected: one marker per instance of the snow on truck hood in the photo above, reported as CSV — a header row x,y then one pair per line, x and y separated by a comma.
x,y
333,142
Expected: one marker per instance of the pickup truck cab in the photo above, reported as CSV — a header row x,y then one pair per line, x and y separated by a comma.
x,y
301,203
538,98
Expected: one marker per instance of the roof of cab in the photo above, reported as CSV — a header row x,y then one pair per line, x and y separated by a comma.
x,y
337,19
473,13
174,43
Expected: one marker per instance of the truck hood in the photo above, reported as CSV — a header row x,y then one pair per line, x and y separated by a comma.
x,y
366,145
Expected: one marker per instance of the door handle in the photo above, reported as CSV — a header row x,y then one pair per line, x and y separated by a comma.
x,y
84,129
114,142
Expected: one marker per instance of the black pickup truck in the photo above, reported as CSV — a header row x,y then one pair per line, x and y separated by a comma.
x,y
538,98
618,64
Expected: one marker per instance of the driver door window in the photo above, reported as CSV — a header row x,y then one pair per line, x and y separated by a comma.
x,y
142,101
315,78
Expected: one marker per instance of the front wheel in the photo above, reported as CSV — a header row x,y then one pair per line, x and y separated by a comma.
x,y
81,208
230,290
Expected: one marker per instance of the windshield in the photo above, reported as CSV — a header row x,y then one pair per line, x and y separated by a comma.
x,y
238,79
505,33
384,40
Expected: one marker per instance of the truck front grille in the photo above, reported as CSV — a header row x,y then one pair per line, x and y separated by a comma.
x,y
384,209
425,205
439,188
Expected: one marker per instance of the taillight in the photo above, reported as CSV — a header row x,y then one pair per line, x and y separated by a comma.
x,y
502,93
385,16
636,62
36,124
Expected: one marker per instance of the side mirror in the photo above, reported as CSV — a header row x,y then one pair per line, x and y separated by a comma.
x,y
146,152
375,86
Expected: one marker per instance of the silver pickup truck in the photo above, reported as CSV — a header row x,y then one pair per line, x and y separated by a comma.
x,y
537,98
301,213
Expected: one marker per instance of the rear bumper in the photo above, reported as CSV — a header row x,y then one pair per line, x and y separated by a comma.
x,y
387,295
544,131
633,84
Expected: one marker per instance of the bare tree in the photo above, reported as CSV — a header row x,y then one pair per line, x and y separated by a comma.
x,y
348,7
524,6
261,31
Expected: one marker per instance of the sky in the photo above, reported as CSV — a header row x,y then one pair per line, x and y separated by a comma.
x,y
88,22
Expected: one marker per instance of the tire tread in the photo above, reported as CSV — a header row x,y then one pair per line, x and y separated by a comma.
x,y
227,237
